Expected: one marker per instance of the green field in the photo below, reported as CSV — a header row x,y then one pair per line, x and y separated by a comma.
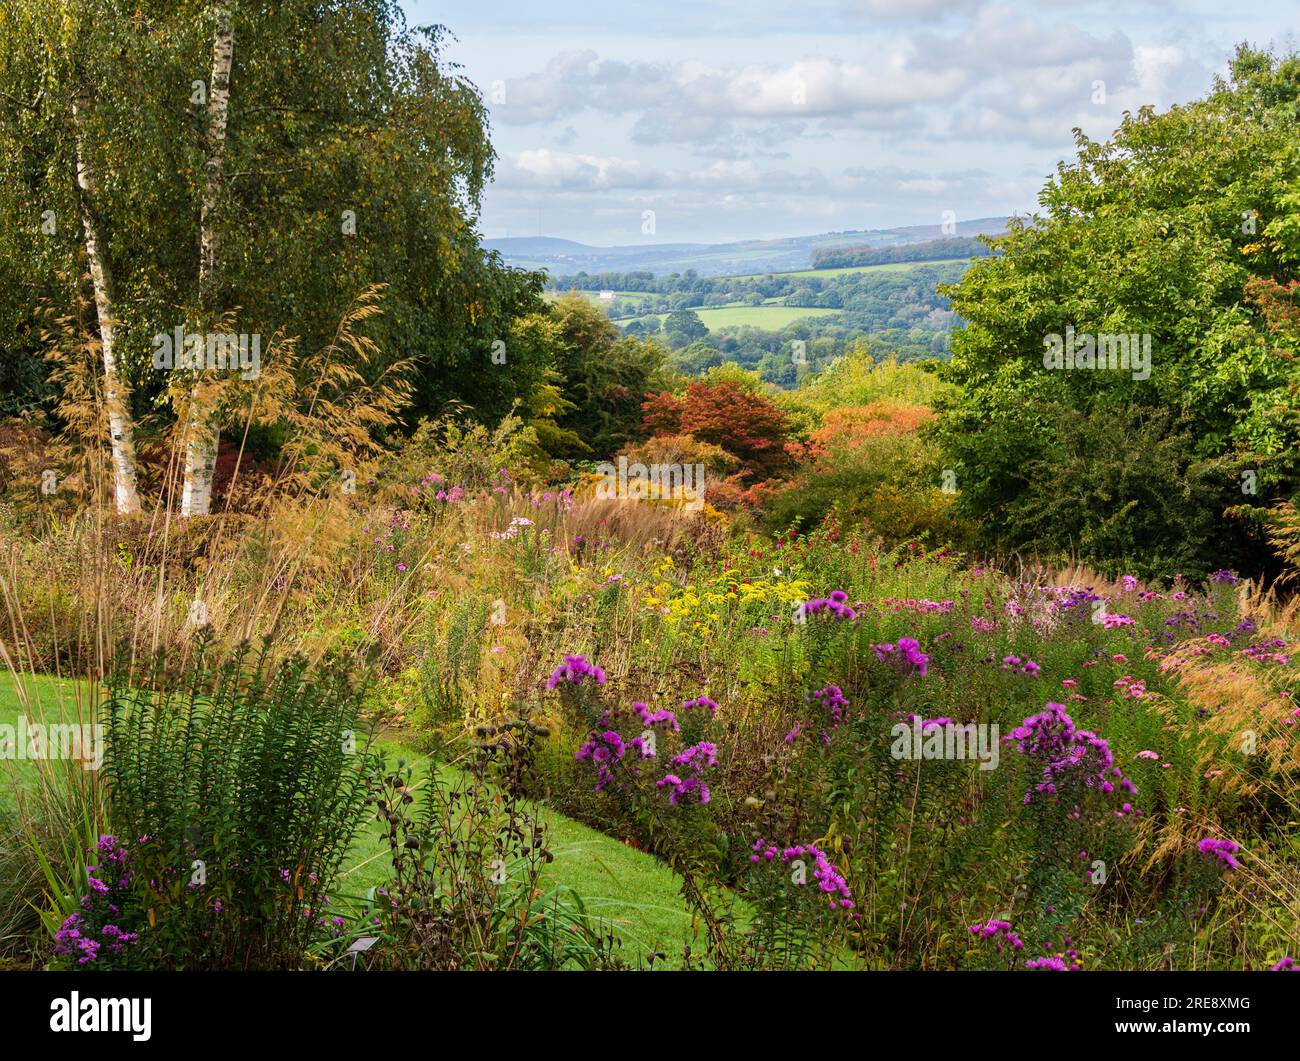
x,y
654,296
888,267
594,296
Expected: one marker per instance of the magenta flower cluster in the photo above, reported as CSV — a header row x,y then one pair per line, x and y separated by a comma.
x,y
434,486
832,698
1018,666
999,930
1261,653
574,670
605,749
907,654
1072,760
657,718
829,879
835,606
71,939
702,702
1223,850
692,762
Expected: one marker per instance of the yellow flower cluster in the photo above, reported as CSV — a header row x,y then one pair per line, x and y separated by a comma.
x,y
700,607
768,591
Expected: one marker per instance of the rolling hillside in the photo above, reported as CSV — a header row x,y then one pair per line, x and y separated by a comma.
x,y
561,257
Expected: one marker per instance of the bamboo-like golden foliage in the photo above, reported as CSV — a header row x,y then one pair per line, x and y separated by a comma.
x,y
338,400
1284,537
73,348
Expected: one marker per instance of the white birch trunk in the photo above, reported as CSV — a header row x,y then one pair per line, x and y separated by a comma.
x,y
121,432
202,431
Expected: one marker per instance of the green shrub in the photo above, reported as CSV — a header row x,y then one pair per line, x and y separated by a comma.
x,y
236,788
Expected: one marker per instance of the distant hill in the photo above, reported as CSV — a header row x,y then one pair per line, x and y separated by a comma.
x,y
981,226
562,257
537,245
930,250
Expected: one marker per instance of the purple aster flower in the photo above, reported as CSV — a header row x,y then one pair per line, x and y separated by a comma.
x,y
574,670
1223,850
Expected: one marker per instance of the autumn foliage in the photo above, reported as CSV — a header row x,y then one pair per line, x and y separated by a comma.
x,y
728,415
1278,303
850,427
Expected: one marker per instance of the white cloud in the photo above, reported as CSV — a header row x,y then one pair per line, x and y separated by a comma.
x,y
738,118
1050,78
566,171
693,101
1001,77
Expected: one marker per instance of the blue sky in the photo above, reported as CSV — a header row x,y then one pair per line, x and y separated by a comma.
x,y
755,119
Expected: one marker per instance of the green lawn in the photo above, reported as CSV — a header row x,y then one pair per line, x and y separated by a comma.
x,y
48,699
635,892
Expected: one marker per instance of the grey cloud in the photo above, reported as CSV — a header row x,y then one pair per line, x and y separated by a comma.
x,y
689,101
916,10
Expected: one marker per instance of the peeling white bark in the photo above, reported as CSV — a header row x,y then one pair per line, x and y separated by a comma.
x,y
121,432
202,431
